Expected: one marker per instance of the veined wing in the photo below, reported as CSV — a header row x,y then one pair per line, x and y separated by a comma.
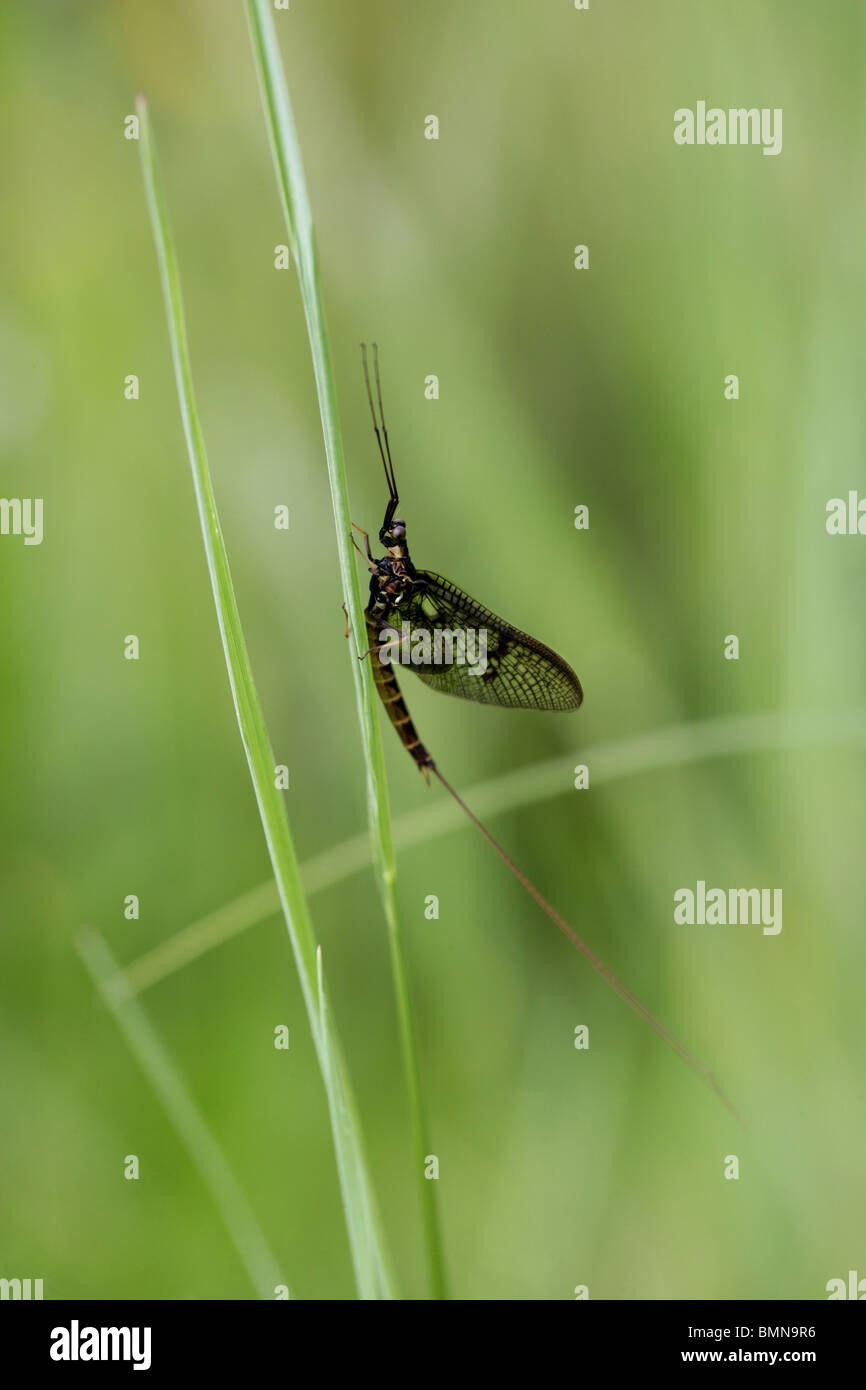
x,y
496,664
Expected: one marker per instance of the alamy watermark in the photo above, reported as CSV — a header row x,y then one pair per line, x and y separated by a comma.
x,y
438,646
77,1343
22,516
21,1288
738,125
729,907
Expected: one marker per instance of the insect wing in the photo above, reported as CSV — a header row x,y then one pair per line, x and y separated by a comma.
x,y
496,663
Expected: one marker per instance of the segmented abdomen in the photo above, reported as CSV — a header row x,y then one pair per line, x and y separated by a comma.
x,y
392,699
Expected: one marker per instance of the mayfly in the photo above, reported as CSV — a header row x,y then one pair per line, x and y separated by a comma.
x,y
417,618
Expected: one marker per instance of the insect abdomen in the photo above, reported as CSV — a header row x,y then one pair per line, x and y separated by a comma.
x,y
392,699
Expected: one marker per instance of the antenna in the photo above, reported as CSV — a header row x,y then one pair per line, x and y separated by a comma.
x,y
384,449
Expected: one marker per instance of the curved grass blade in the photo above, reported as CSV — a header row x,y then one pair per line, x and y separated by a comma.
x,y
204,1151
677,746
365,1238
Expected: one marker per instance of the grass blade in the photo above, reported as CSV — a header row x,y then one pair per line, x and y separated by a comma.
x,y
364,1235
292,184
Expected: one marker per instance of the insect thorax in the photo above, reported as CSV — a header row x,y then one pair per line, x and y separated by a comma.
x,y
390,582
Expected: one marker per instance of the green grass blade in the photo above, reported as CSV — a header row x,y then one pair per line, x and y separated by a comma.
x,y
292,185
204,1151
364,1235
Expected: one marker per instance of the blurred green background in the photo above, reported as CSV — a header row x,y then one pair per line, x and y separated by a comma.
x,y
557,387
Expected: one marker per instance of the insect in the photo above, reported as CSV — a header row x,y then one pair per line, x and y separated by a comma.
x,y
406,610
516,670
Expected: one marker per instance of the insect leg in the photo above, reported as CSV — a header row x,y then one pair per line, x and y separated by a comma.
x,y
366,536
371,564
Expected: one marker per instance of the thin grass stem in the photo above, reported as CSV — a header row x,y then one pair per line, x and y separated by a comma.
x,y
292,185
